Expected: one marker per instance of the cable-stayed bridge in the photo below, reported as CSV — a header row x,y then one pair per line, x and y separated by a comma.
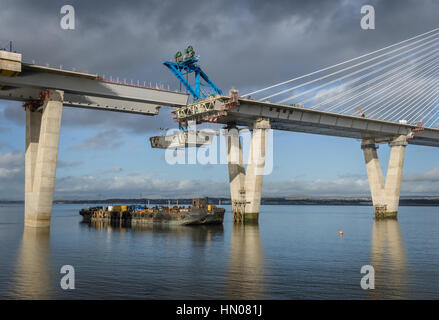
x,y
390,95
386,96
390,91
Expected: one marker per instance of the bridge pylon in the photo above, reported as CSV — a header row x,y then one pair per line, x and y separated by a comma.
x,y
43,124
246,185
385,194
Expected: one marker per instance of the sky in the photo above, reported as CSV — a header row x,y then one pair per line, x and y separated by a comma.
x,y
246,45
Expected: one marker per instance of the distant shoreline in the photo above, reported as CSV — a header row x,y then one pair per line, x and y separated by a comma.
x,y
327,201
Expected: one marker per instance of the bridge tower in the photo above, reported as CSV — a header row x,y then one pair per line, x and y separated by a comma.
x,y
246,184
385,194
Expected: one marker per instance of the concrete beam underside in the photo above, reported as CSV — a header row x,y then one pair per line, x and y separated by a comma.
x,y
42,140
246,184
385,194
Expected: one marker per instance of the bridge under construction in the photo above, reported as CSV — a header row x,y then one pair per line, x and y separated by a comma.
x,y
394,88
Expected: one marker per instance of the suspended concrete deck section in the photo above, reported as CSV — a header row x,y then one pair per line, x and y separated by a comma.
x,y
44,91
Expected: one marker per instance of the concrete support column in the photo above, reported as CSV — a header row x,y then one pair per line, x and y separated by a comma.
x,y
255,169
385,195
33,124
394,173
246,185
236,170
42,140
374,172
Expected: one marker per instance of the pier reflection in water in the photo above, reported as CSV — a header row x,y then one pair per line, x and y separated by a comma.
x,y
32,274
246,271
295,253
389,261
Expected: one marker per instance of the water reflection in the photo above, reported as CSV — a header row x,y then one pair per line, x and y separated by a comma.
x,y
32,275
199,233
388,259
246,263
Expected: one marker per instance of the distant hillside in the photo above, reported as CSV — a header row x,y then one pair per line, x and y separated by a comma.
x,y
293,200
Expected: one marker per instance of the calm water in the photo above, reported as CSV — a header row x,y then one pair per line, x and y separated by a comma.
x,y
294,253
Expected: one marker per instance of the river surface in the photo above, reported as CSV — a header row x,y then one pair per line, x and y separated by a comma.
x,y
296,252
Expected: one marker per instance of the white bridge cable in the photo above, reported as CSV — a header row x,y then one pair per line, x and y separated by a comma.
x,y
412,78
424,104
384,85
345,93
411,88
343,77
410,101
413,84
432,112
424,100
432,117
374,81
341,63
429,107
353,66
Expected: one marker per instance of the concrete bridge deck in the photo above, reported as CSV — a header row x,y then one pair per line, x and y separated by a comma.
x,y
243,112
85,90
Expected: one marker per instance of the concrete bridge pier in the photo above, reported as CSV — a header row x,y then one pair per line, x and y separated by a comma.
x,y
236,172
385,194
43,124
246,185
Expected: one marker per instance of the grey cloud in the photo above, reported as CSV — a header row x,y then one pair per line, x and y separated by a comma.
x,y
243,44
66,164
131,185
132,123
112,170
11,175
107,139
246,44
4,145
76,118
13,112
430,175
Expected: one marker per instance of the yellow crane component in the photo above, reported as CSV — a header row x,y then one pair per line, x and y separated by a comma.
x,y
361,112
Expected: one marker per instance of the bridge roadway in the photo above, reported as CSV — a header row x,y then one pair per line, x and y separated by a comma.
x,y
246,183
244,112
83,90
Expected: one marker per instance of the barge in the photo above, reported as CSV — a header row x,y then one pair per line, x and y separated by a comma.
x,y
199,213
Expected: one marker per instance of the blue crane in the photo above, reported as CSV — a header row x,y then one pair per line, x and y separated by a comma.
x,y
184,65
